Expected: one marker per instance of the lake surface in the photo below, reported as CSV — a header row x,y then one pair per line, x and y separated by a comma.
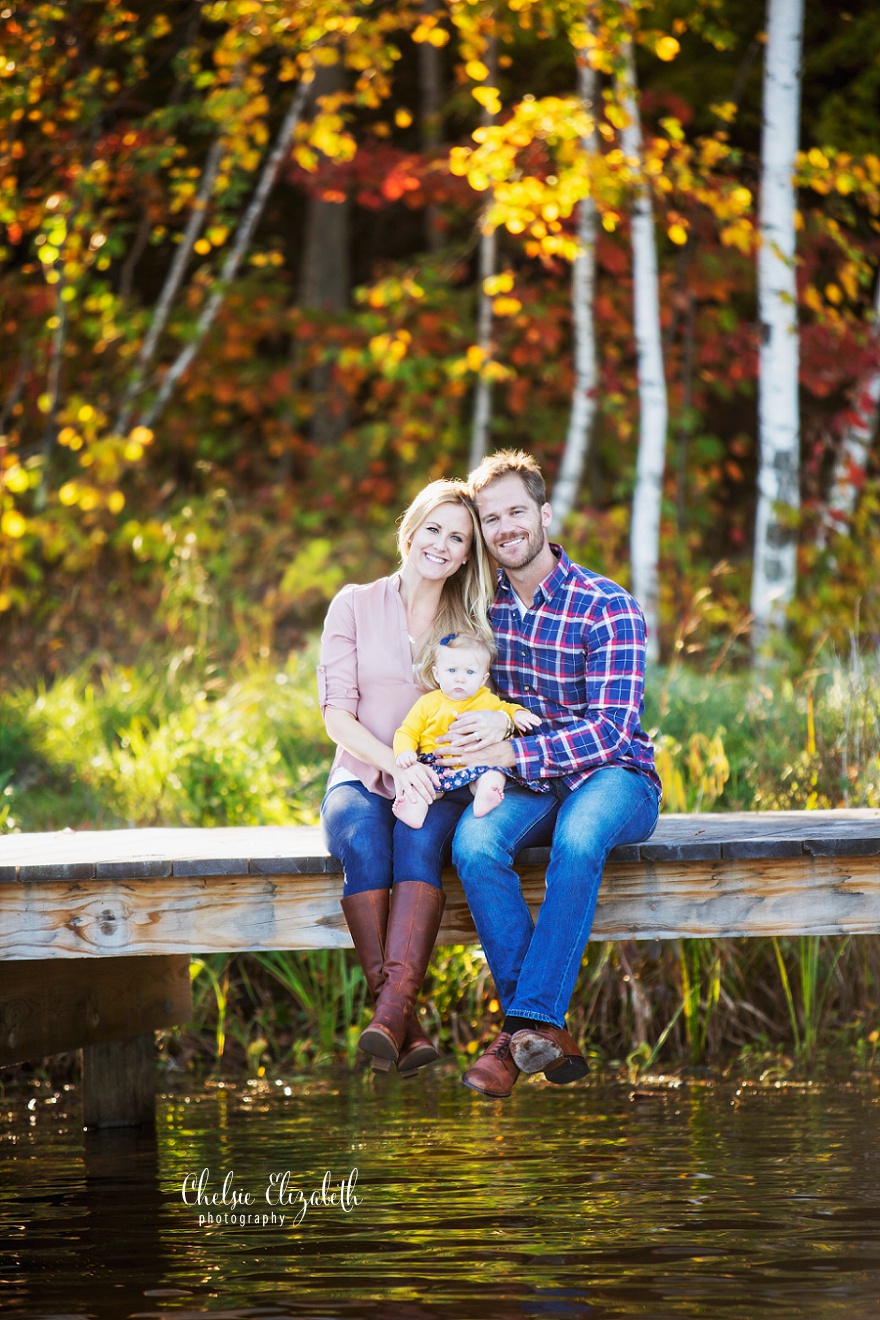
x,y
418,1199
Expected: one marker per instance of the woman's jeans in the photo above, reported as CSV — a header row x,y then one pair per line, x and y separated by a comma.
x,y
376,849
535,965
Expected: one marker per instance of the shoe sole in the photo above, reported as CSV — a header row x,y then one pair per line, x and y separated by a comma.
x,y
379,1044
488,1095
535,1054
419,1057
565,1070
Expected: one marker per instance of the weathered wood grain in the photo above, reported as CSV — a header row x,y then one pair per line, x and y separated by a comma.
x,y
638,900
47,1007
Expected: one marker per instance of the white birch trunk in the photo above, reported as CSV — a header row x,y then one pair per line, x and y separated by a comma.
x,y
653,408
173,281
583,286
852,457
241,239
482,414
774,571
482,417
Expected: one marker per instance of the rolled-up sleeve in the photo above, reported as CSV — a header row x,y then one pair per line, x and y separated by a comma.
x,y
338,667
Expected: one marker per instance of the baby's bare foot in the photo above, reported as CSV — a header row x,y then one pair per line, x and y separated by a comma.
x,y
489,792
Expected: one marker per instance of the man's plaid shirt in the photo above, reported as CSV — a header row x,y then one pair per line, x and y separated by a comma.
x,y
577,659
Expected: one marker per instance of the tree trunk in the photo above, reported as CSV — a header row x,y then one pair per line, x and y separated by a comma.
x,y
774,572
240,242
482,415
852,456
325,286
645,529
583,286
431,120
173,281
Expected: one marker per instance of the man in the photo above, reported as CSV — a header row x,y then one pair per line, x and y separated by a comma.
x,y
571,648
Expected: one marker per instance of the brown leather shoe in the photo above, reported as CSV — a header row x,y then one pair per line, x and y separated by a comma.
x,y
495,1072
550,1050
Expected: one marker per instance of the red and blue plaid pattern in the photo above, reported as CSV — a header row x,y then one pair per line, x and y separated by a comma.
x,y
577,659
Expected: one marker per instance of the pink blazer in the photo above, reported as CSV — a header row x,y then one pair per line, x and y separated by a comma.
x,y
367,669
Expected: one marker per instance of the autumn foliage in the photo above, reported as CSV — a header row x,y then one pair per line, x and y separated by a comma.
x,y
190,451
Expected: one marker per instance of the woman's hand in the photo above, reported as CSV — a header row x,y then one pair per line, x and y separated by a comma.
x,y
416,782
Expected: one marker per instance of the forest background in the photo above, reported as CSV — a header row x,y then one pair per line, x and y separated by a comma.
x,y
267,268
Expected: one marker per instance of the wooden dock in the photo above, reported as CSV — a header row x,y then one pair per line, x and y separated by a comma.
x,y
97,927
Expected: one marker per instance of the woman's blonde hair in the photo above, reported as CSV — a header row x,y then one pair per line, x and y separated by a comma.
x,y
467,595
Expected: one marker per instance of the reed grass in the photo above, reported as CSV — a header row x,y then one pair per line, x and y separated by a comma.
x,y
186,743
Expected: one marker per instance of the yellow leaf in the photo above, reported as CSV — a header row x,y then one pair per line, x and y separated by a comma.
x,y
498,284
488,98
834,293
116,501
678,234
13,524
506,306
142,435
667,48
438,37
476,70
132,451
458,161
17,480
69,493
474,357
402,118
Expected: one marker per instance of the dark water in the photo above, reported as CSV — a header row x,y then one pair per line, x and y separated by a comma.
x,y
577,1201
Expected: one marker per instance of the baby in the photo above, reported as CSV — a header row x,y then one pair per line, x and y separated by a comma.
x,y
461,668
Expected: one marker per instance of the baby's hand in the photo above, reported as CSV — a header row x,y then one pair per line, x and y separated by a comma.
x,y
406,759
526,720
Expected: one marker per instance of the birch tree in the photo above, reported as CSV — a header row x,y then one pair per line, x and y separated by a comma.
x,y
583,284
487,265
852,456
653,407
774,571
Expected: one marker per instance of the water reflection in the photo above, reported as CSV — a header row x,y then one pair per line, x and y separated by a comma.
x,y
588,1201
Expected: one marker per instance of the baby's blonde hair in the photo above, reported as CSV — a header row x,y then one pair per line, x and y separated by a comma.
x,y
460,642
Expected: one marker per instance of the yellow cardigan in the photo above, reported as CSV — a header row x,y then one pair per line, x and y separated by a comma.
x,y
433,713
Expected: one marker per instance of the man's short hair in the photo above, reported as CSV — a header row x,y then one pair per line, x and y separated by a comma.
x,y
509,463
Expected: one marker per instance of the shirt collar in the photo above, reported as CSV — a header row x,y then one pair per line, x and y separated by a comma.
x,y
546,590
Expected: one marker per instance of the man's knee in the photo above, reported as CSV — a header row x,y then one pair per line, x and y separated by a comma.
x,y
476,841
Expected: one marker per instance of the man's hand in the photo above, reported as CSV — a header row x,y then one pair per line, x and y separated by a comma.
x,y
494,754
472,732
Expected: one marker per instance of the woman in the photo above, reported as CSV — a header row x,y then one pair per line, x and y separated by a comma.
x,y
376,639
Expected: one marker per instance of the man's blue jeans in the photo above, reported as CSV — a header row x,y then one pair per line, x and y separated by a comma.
x,y
535,964
375,848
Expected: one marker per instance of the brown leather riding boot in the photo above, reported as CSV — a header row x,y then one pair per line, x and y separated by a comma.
x,y
367,917
414,914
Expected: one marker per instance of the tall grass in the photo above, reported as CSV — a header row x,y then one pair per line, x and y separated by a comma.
x,y
180,744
